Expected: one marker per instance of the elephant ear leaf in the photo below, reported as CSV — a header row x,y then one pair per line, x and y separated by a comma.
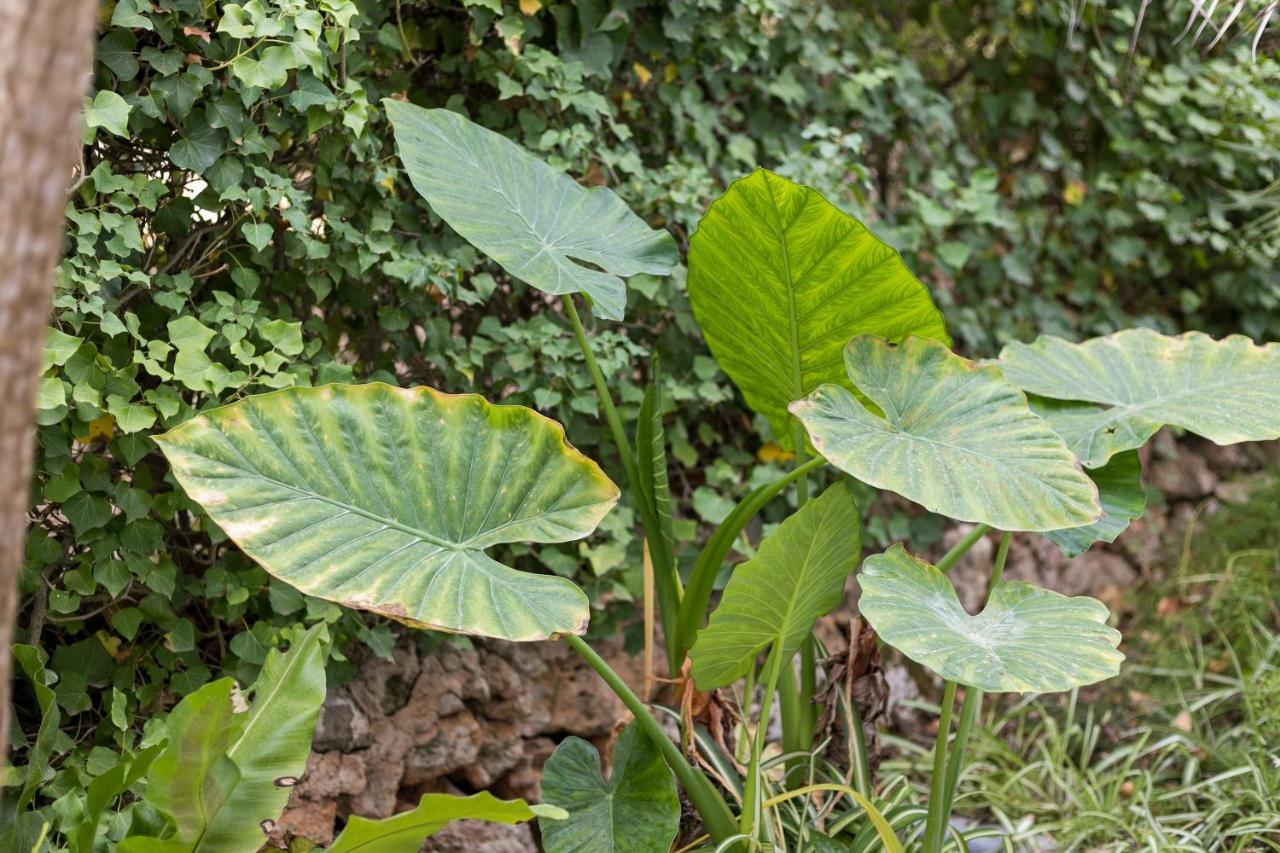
x,y
1123,498
774,598
1026,639
636,810
385,499
949,434
539,224
224,771
780,279
406,831
1125,386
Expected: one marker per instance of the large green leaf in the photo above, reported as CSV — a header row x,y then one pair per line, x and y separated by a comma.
x,y
1026,640
274,741
774,598
224,771
385,498
194,777
1227,391
538,223
406,831
636,811
955,437
780,279
1119,485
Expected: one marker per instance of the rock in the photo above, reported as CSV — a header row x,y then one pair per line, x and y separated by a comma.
x,y
384,765
474,836
454,744
313,819
332,774
1185,477
341,725
1094,571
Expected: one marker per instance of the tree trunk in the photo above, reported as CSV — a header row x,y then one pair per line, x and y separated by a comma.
x,y
46,56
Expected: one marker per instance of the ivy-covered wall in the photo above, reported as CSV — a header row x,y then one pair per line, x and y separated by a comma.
x,y
241,223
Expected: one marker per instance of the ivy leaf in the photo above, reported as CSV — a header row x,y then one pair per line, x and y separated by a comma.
x,y
635,811
539,224
1026,640
109,111
257,233
199,148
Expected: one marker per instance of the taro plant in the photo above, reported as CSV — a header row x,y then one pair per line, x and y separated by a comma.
x,y
399,501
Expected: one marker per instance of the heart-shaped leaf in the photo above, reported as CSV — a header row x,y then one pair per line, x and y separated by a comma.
x,y
774,598
1026,640
538,223
1227,391
385,498
955,437
780,279
1119,485
407,830
636,811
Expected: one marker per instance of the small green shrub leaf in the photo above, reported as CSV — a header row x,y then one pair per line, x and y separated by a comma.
x,y
797,575
1129,384
1119,485
538,223
385,499
780,279
635,811
1026,640
954,437
406,831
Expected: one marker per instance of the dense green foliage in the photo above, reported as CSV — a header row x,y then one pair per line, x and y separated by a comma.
x,y
243,225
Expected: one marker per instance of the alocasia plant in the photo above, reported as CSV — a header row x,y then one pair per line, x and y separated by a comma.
x,y
386,499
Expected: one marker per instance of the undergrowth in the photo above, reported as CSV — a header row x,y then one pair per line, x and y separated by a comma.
x,y
1182,752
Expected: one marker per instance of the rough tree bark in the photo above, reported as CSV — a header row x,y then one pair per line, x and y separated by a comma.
x,y
46,56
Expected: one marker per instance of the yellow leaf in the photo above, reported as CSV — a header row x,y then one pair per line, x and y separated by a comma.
x,y
103,427
670,72
530,7
643,73
388,182
1074,192
771,452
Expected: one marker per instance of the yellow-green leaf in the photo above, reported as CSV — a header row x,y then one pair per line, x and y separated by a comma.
x,y
385,499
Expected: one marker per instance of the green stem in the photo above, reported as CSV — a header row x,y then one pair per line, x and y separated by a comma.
x,y
972,695
935,823
950,558
859,763
665,576
750,816
715,814
796,694
697,595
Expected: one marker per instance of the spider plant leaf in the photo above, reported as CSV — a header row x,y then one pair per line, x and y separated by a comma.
x,y
797,575
407,830
636,810
780,279
539,224
955,437
385,499
1026,640
1123,498
1127,385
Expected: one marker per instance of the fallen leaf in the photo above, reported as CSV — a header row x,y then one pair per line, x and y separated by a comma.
x,y
1182,722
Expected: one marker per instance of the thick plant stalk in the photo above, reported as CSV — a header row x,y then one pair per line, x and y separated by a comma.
x,y
935,826
666,580
711,807
46,54
972,695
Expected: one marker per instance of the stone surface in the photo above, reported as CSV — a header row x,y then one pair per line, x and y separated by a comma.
x,y
473,836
